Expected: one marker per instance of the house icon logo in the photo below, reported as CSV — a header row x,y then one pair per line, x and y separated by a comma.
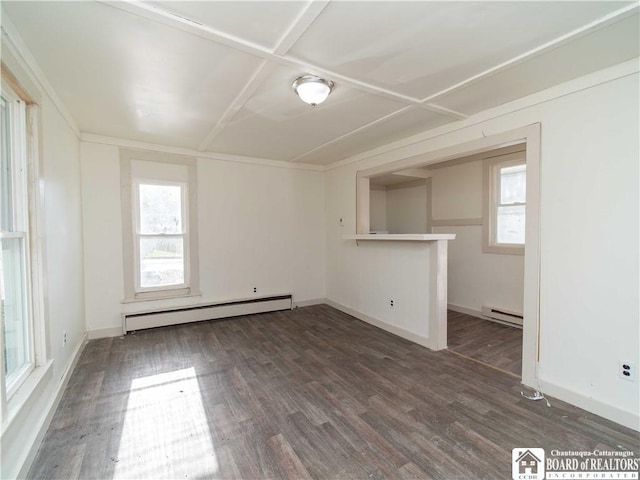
x,y
527,463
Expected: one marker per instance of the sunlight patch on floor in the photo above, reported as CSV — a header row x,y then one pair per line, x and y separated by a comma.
x,y
165,432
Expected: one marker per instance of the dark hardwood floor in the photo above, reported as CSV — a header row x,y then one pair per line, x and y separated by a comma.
x,y
492,343
307,393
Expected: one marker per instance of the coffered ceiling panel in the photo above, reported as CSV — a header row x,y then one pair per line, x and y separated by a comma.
x,y
125,76
261,22
420,48
275,124
607,46
216,76
410,122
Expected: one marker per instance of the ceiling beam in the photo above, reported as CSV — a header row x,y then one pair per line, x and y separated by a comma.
x,y
279,56
443,110
259,75
294,32
353,132
601,22
156,14
309,15
299,26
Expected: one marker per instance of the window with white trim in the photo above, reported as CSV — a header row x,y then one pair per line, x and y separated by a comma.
x,y
15,279
159,214
505,207
161,245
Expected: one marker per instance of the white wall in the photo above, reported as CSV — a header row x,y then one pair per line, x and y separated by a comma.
x,y
378,210
456,191
103,251
259,226
407,209
398,209
63,237
475,278
364,277
589,291
60,237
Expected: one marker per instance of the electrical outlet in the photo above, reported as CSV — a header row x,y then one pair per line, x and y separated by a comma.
x,y
626,370
392,303
255,289
64,339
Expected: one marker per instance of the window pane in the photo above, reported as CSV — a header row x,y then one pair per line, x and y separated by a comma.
x,y
14,307
513,184
510,225
6,201
160,209
161,262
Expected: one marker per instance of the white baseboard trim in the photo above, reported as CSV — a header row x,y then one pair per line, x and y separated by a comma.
x,y
605,410
104,333
117,331
465,310
610,412
164,317
400,332
50,409
309,303
476,313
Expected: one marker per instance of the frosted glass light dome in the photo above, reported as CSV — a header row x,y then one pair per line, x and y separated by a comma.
x,y
312,89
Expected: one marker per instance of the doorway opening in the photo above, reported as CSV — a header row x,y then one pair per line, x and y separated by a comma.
x,y
438,170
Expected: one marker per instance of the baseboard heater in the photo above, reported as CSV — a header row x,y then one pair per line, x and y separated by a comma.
x,y
501,315
211,311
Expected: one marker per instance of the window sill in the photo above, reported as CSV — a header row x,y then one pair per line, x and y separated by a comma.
x,y
155,298
28,391
504,249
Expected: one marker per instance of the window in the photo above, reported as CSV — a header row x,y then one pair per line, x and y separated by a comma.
x,y
505,204
15,281
161,243
159,200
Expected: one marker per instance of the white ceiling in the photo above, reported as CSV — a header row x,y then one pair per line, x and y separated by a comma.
x,y
216,76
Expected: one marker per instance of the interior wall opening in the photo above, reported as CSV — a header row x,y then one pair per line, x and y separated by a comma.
x,y
446,191
485,286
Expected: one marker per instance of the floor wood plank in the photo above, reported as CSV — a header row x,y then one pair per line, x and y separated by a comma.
x,y
307,393
489,342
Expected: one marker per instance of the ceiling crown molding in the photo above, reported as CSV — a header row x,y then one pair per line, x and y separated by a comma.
x,y
225,157
18,49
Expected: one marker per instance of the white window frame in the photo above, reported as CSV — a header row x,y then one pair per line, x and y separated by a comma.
x,y
133,292
19,156
491,203
184,204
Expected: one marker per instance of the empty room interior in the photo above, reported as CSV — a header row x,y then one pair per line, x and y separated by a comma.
x,y
320,239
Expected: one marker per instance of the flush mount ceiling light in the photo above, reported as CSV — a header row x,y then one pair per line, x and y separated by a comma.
x,y
312,89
